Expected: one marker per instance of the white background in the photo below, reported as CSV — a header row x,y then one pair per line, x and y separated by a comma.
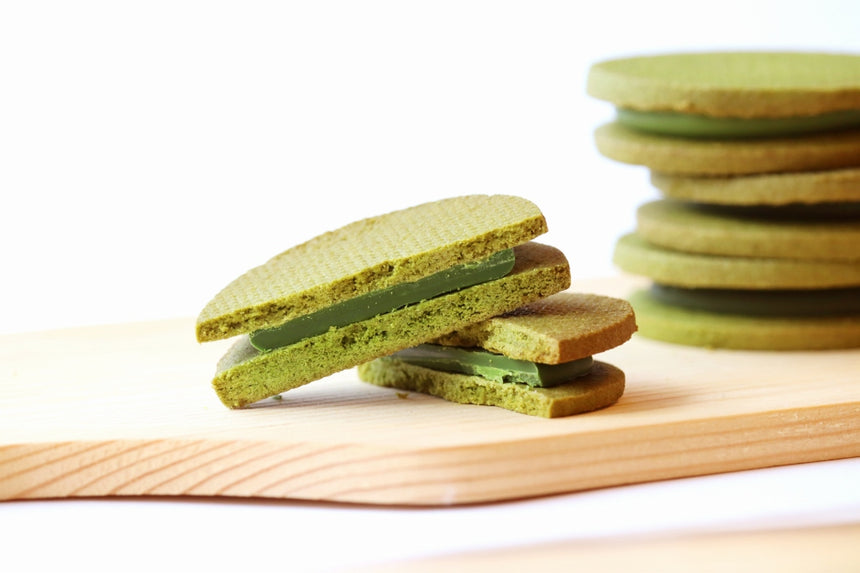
x,y
152,151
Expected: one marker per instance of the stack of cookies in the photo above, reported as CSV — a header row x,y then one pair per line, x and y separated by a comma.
x,y
756,241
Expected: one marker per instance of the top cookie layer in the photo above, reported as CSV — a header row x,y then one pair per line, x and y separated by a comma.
x,y
563,327
368,255
740,84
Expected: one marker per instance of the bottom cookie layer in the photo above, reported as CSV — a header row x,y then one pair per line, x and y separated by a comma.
x,y
660,321
602,387
635,255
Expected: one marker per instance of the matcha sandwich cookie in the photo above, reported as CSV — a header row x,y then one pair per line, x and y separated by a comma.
x,y
536,360
375,287
731,113
746,277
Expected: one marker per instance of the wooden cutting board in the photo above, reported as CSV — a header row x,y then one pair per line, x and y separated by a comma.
x,y
127,410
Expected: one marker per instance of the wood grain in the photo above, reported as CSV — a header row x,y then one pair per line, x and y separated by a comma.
x,y
128,410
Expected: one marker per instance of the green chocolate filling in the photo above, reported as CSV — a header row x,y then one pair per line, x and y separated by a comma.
x,y
384,300
785,303
702,126
789,212
495,367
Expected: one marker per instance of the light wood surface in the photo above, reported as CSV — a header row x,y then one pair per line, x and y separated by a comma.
x,y
831,549
128,410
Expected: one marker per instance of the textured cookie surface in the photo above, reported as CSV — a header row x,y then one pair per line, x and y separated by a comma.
x,y
245,375
368,255
739,84
715,330
564,327
637,256
679,155
814,187
602,387
699,229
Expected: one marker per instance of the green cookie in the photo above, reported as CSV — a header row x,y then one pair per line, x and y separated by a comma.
x,y
635,255
839,185
557,329
602,387
677,324
711,157
731,84
747,233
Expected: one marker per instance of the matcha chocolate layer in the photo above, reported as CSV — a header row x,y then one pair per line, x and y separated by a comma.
x,y
781,302
703,126
385,300
602,387
495,367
